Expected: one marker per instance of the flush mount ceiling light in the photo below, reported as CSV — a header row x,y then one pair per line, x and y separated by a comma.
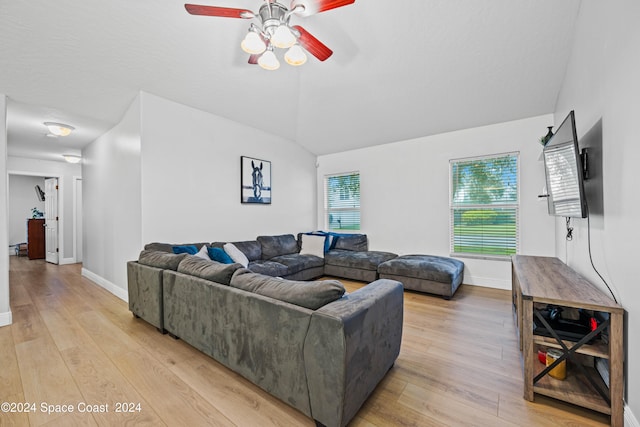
x,y
59,129
72,158
274,30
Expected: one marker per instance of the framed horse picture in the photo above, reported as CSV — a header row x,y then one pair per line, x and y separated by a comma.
x,y
255,180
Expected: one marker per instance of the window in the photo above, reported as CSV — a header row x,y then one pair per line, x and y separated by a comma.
x,y
342,201
484,206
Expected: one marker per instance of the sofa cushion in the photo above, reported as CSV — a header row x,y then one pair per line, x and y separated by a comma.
x,y
313,245
273,246
298,262
352,242
207,269
185,249
203,253
168,247
160,259
251,248
426,267
236,254
218,254
311,295
327,242
366,260
269,268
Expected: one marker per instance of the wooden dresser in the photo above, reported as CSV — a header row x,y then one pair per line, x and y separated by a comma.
x,y
35,239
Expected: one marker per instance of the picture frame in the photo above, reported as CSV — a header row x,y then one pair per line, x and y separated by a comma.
x,y
255,180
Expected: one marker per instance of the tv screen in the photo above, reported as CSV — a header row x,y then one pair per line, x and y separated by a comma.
x,y
563,170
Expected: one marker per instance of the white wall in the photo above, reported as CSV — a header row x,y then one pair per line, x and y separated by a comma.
x,y
171,173
191,177
602,84
5,310
65,172
112,203
22,198
405,192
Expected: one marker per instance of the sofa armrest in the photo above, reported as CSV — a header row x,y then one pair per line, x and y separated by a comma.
x,y
145,292
350,346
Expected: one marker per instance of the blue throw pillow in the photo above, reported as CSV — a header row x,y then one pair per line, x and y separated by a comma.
x,y
219,255
185,249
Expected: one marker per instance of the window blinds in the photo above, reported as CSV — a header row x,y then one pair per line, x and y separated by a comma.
x,y
342,201
484,206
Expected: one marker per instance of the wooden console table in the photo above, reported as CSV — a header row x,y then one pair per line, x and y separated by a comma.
x,y
538,281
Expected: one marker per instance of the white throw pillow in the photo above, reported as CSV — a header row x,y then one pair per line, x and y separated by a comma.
x,y
236,254
203,253
312,245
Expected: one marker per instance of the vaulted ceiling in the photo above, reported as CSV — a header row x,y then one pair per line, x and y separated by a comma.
x,y
400,69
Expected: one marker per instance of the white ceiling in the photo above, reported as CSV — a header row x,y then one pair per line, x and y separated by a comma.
x,y
400,69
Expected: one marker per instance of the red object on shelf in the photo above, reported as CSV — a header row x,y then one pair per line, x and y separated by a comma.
x,y
542,356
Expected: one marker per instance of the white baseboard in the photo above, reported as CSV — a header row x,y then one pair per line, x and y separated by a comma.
x,y
6,319
104,283
64,261
629,419
487,282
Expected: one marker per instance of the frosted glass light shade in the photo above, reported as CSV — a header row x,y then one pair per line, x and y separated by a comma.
x,y
295,56
72,158
59,129
253,44
268,61
282,37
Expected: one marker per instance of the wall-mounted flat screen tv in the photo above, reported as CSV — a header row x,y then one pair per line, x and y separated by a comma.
x,y
564,173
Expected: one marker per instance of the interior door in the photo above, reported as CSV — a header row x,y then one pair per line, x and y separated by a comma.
x,y
51,219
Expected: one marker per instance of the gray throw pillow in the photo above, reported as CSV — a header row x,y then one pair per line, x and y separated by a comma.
x,y
311,295
160,259
356,242
207,269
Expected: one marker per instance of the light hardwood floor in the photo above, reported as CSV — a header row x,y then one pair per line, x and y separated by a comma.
x,y
73,343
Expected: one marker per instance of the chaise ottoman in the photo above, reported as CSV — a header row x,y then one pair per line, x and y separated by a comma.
x,y
425,273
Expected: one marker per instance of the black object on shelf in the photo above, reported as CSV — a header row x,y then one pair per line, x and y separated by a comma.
x,y
571,330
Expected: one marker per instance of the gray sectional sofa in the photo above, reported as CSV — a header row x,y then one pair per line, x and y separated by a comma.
x,y
305,342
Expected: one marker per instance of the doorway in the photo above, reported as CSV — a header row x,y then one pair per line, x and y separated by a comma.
x,y
23,204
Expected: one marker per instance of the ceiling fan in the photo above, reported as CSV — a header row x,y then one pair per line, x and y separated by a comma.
x,y
274,30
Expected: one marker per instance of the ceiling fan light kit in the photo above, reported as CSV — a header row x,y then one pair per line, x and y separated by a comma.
x,y
253,43
274,30
268,60
283,38
295,56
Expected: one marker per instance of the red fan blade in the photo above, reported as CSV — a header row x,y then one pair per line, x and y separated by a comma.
x,y
312,44
317,6
253,59
225,12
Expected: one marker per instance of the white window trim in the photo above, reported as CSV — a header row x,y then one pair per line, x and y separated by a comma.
x,y
326,200
516,206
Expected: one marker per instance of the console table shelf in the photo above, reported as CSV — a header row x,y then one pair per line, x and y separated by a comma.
x,y
538,281
574,389
598,349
